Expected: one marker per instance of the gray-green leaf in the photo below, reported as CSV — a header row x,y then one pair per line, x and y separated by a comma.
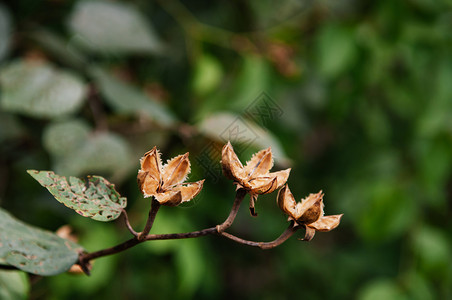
x,y
224,126
126,98
96,198
5,31
77,150
40,90
113,27
35,250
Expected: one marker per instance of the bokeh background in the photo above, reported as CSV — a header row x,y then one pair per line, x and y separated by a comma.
x,y
354,96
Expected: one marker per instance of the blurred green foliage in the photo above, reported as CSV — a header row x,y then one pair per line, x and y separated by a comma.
x,y
364,94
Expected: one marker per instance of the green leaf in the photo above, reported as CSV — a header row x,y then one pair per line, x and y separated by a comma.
x,y
433,249
225,127
126,98
77,150
5,31
252,79
35,250
96,198
389,212
191,265
40,90
336,50
207,75
105,270
113,27
381,289
14,285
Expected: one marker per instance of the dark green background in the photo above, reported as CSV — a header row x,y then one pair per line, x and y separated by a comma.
x,y
362,94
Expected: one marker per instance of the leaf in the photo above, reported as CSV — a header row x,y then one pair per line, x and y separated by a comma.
x,y
63,50
77,150
62,138
389,211
5,31
96,199
113,27
95,236
336,50
381,289
252,79
40,90
433,249
35,250
126,98
14,285
191,265
207,75
225,127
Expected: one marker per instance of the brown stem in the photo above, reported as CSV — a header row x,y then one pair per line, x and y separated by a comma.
x,y
235,208
127,223
155,205
185,235
264,245
84,259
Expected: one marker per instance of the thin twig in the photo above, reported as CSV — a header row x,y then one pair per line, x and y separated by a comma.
x,y
265,245
84,259
235,208
185,235
126,221
155,205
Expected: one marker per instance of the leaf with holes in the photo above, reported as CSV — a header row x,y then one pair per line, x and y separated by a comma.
x,y
35,250
96,198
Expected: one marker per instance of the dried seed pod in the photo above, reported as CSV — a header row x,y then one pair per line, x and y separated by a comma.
x,y
308,213
255,176
166,182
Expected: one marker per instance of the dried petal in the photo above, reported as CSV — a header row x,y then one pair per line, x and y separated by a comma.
x,y
326,223
175,171
286,202
151,163
169,198
262,185
260,163
140,179
149,186
231,165
309,234
190,190
310,209
281,176
253,199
